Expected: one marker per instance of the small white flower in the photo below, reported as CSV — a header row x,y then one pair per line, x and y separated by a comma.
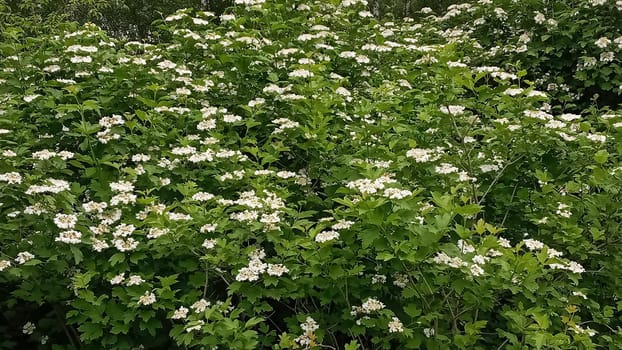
x,y
28,328
156,232
476,270
395,325
200,306
69,237
30,98
301,73
4,264
134,280
428,332
209,243
65,221
12,178
180,313
602,42
533,244
147,299
326,236
453,110
23,257
118,279
276,270
579,294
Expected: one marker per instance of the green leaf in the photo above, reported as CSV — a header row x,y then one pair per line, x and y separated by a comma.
x,y
90,331
540,340
443,201
90,105
116,259
597,234
77,254
412,310
468,210
384,256
601,156
353,345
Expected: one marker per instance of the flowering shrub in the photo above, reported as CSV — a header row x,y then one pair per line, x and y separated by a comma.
x,y
571,48
299,176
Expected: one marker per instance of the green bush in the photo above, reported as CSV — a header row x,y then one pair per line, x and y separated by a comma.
x,y
571,48
299,176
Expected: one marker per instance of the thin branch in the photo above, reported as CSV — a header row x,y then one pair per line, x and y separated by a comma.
x,y
494,181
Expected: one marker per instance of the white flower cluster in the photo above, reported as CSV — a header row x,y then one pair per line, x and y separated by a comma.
x,y
571,266
47,154
147,299
249,2
256,267
326,236
477,261
4,264
65,221
180,314
91,206
332,234
12,178
69,237
284,124
367,186
29,328
602,42
107,123
271,205
423,155
562,210
444,259
395,325
446,168
124,193
400,280
51,186
23,257
307,340
580,330
453,110
369,306
533,244
80,48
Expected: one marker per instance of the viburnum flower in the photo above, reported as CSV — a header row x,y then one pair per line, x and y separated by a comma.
x,y
533,244
69,237
301,73
147,299
4,264
28,328
134,280
65,221
209,243
395,325
326,236
200,305
11,178
602,42
371,305
180,313
276,270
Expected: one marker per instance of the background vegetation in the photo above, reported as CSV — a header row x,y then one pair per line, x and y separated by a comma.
x,y
329,174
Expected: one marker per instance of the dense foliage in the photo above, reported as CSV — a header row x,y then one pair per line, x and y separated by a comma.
x,y
128,19
296,175
571,48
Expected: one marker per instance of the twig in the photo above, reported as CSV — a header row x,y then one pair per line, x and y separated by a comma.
x,y
504,342
505,216
494,181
